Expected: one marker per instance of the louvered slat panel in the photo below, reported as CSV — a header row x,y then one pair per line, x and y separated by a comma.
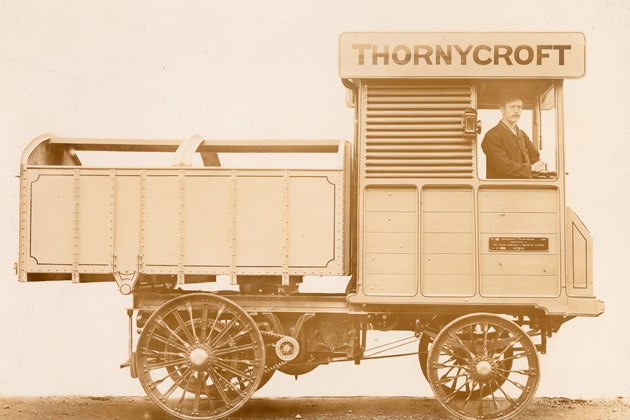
x,y
416,106
416,131
417,148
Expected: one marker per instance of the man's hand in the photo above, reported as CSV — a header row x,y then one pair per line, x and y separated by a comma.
x,y
538,166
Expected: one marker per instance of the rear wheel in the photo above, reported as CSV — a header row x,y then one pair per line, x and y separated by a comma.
x,y
483,366
200,356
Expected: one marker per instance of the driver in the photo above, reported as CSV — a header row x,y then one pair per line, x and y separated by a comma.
x,y
509,152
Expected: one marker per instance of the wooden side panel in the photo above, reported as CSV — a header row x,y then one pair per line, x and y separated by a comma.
x,y
127,222
388,221
52,208
208,221
94,221
391,242
522,201
391,236
518,222
448,246
165,221
311,235
519,213
161,237
259,221
391,199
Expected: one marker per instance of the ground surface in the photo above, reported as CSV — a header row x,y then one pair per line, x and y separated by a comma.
x,y
133,408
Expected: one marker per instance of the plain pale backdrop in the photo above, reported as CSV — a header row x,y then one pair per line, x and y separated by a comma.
x,y
268,70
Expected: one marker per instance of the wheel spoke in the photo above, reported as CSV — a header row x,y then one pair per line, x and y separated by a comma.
x,y
452,394
183,327
223,332
235,349
236,336
245,362
497,336
446,379
507,397
214,376
207,390
516,384
448,350
173,333
463,346
214,324
485,326
228,383
526,372
516,356
168,342
454,385
184,388
470,393
480,406
232,370
197,395
492,391
507,347
204,322
444,366
450,370
159,381
151,352
176,384
174,362
192,321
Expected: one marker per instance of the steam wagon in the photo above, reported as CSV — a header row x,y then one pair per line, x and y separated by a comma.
x,y
482,269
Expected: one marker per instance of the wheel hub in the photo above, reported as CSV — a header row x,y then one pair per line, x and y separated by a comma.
x,y
483,369
199,357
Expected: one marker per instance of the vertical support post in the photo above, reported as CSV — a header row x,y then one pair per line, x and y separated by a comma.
x,y
233,229
285,228
340,205
181,197
130,343
143,187
76,227
24,202
111,214
339,208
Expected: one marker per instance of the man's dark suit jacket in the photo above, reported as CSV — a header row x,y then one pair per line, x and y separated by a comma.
x,y
508,155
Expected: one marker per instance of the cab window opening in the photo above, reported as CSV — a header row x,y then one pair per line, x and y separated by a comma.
x,y
537,121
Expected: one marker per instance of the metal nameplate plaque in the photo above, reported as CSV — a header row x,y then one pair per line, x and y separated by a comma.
x,y
519,244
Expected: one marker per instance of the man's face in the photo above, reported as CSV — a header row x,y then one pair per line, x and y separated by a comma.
x,y
511,111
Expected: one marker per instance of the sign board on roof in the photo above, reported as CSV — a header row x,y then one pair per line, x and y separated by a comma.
x,y
554,55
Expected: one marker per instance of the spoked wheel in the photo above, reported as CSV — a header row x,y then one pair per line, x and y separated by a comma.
x,y
482,366
200,356
424,346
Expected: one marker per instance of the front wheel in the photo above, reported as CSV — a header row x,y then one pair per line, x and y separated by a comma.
x,y
483,366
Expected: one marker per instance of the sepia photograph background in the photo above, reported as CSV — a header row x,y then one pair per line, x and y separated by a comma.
x,y
268,70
